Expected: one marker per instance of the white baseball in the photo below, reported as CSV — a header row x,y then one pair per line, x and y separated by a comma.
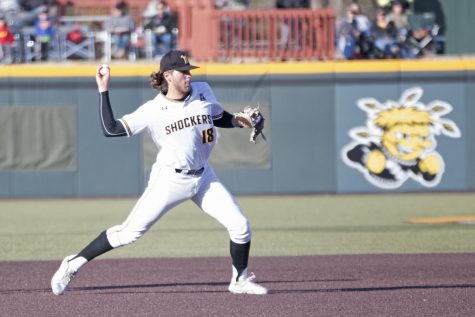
x,y
104,69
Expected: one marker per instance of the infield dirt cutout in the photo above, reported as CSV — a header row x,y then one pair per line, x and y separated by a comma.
x,y
444,220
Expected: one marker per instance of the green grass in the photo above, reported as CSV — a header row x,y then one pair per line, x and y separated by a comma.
x,y
282,225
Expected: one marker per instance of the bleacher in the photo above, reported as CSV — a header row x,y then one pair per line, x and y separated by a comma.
x,y
207,33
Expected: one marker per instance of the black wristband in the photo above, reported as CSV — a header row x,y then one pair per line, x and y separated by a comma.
x,y
226,121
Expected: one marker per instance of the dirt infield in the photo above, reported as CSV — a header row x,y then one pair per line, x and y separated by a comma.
x,y
352,285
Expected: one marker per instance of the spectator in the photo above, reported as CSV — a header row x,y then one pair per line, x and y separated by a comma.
x,y
10,10
44,31
352,33
398,16
362,21
151,9
386,4
6,41
432,7
75,35
345,39
120,25
7,7
163,26
400,19
384,36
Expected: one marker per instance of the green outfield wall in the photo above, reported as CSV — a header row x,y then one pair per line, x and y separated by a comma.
x,y
331,127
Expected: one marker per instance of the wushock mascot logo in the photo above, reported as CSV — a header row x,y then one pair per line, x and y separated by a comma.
x,y
398,141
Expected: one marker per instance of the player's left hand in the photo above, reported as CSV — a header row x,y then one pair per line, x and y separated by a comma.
x,y
102,78
251,118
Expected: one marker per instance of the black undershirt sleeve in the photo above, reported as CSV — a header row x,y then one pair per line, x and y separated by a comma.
x,y
226,121
110,126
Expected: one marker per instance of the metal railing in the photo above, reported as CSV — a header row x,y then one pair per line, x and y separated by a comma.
x,y
213,35
276,34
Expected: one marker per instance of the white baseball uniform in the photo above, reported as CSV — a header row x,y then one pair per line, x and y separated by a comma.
x,y
184,134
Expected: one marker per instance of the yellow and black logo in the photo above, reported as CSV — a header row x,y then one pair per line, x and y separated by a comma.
x,y
398,141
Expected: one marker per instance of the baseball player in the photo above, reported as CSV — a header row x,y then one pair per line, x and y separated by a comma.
x,y
181,120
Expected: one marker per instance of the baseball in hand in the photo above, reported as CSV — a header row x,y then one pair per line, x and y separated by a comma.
x,y
104,69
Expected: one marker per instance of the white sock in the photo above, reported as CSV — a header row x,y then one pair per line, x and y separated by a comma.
x,y
76,263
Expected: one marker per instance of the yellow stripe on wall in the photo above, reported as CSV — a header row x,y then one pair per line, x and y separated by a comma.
x,y
327,67
71,70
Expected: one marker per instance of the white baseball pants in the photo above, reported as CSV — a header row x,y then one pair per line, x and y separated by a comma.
x,y
166,189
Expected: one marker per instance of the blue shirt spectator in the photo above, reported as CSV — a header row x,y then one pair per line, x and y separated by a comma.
x,y
352,32
44,31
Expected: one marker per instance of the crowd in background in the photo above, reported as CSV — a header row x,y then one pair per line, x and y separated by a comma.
x,y
157,18
33,23
392,33
17,14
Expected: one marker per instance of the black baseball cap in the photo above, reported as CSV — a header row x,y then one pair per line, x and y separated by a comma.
x,y
175,60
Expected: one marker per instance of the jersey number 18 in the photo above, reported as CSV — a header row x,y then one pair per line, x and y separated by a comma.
x,y
207,135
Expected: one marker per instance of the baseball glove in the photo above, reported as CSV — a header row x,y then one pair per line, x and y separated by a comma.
x,y
251,118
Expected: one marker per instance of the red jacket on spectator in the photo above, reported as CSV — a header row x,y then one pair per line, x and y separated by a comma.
x,y
5,35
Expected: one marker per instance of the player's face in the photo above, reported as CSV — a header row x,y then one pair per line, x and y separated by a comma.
x,y
180,81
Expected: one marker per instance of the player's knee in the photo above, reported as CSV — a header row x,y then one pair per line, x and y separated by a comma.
x,y
121,235
128,237
240,233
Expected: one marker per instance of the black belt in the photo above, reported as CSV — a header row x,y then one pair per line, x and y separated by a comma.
x,y
190,172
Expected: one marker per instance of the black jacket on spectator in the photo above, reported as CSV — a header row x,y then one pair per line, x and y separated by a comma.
x,y
168,21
